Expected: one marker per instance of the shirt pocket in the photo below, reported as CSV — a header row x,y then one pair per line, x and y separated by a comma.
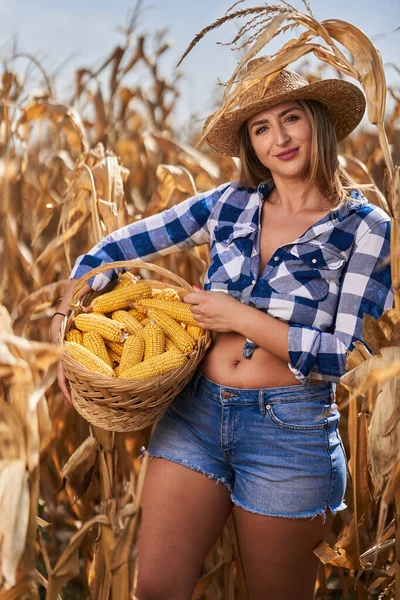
x,y
308,271
231,246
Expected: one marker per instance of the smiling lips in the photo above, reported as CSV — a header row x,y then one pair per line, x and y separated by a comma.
x,y
288,154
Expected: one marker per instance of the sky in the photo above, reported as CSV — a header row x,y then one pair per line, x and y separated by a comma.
x,y
67,35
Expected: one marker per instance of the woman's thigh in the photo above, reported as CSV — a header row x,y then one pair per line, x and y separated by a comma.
x,y
183,514
277,554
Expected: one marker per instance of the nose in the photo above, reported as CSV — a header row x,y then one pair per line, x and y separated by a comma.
x,y
281,135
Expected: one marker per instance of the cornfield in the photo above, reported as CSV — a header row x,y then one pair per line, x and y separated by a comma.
x,y
70,174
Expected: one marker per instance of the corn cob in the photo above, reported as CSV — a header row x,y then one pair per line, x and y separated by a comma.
x,y
154,340
74,335
88,359
145,321
166,294
122,297
195,331
117,370
131,324
181,339
139,312
177,310
157,365
93,341
115,347
169,345
132,353
109,329
114,357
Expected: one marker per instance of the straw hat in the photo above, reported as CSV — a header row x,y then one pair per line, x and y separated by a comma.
x,y
345,102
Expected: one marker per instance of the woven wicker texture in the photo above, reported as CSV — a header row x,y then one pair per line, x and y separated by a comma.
x,y
125,405
345,102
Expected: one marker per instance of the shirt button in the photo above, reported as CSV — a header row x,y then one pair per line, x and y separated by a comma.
x,y
314,260
276,257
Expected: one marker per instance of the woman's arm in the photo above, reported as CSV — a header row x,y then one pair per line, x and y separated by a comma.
x,y
183,226
365,288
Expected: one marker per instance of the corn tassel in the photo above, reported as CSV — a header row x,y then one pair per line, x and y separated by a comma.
x,y
177,310
154,340
155,366
93,341
108,329
131,324
174,331
88,359
132,353
122,297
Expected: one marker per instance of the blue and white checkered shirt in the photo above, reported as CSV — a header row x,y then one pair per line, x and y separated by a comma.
x,y
321,284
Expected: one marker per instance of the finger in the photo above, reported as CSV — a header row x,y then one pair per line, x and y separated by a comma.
x,y
192,298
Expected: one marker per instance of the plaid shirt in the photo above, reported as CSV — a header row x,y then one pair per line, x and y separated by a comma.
x,y
321,284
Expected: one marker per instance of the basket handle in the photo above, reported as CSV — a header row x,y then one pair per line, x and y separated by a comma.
x,y
136,263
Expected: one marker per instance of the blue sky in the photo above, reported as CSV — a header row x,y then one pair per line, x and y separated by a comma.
x,y
86,31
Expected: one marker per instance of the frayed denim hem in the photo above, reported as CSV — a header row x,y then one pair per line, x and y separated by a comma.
x,y
303,515
185,463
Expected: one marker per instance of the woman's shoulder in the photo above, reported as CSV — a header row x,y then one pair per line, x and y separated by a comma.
x,y
366,210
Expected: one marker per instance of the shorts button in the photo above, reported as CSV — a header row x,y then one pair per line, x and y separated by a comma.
x,y
314,260
276,257
268,406
226,395
326,426
254,282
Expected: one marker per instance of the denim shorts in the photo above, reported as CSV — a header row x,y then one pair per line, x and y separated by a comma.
x,y
277,450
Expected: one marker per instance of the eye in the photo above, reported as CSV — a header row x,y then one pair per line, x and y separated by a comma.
x,y
260,129
295,117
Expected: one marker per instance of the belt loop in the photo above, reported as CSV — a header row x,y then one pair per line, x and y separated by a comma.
x,y
261,402
195,382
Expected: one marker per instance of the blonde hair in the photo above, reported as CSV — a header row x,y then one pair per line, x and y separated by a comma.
x,y
331,179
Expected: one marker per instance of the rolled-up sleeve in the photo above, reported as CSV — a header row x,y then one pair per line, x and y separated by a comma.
x,y
181,227
366,288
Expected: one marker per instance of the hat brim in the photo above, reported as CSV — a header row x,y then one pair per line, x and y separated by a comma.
x,y
344,101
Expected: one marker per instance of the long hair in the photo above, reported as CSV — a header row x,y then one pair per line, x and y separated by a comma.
x,y
331,179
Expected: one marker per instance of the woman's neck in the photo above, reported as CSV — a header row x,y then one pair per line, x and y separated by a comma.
x,y
288,199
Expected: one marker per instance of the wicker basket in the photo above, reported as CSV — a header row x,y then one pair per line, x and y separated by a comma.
x,y
126,405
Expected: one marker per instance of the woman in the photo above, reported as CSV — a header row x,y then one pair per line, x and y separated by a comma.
x,y
295,264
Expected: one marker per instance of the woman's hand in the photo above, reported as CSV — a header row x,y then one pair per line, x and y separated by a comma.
x,y
215,311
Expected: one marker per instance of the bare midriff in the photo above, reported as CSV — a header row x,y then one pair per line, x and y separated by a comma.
x,y
224,364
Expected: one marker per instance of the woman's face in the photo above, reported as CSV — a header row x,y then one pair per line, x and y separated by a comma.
x,y
277,130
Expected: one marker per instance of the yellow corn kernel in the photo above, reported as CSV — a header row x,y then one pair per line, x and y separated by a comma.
x,y
166,294
114,357
157,365
145,321
131,324
132,353
169,345
177,310
93,341
74,335
108,329
139,312
154,340
195,331
178,335
122,297
88,359
115,347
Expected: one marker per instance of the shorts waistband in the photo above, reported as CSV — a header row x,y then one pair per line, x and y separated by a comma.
x,y
295,393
